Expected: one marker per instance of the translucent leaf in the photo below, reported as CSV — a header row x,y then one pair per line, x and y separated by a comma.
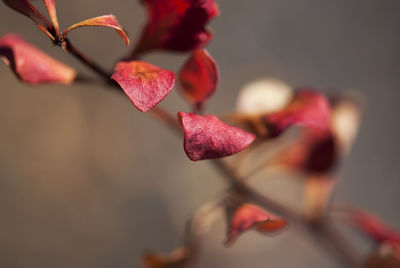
x,y
51,9
104,21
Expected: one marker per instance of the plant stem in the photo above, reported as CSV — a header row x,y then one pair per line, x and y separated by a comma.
x,y
322,231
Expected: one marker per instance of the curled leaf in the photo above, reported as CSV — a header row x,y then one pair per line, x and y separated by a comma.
x,y
145,84
31,65
177,25
207,137
175,259
104,21
199,77
246,216
27,9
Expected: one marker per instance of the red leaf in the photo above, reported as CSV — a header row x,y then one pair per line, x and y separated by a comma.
x,y
308,108
175,259
248,216
145,84
374,227
177,25
199,77
104,21
206,137
32,65
51,9
26,8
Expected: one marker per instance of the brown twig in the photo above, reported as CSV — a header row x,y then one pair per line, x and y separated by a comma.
x,y
322,231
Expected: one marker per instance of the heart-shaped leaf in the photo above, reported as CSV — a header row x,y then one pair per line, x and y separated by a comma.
x,y
145,84
199,77
26,8
177,25
32,65
207,137
109,21
246,216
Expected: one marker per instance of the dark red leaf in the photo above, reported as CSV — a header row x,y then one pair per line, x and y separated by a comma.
x,y
26,8
387,256
374,227
308,108
199,77
175,259
177,25
104,21
145,84
247,216
207,137
32,65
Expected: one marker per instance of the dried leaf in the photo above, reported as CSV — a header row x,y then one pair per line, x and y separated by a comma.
x,y
26,8
199,77
207,137
244,217
175,259
104,21
145,84
177,25
32,65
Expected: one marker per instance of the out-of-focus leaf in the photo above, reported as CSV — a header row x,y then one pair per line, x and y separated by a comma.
x,y
109,21
199,77
177,25
207,137
32,65
308,108
51,9
263,96
145,84
175,259
244,217
374,227
26,8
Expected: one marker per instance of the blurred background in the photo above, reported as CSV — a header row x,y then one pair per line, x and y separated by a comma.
x,y
86,180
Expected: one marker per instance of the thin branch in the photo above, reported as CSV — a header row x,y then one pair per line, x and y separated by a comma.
x,y
322,232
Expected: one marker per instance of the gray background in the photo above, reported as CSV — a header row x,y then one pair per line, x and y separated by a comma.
x,y
88,181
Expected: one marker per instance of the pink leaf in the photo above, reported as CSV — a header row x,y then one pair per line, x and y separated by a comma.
x,y
177,25
247,216
199,77
145,84
104,21
374,227
32,65
308,108
206,137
